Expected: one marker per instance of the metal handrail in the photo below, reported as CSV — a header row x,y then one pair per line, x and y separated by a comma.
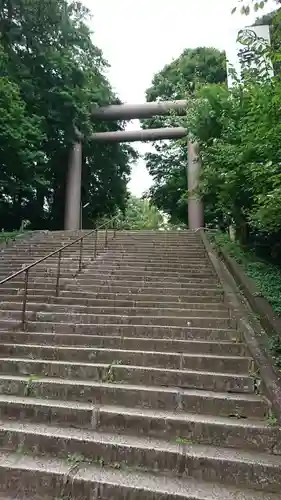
x,y
59,252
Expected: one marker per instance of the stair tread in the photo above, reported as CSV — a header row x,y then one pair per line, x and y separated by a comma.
x,y
132,351
124,316
130,367
143,443
138,305
120,337
177,390
117,325
143,412
180,488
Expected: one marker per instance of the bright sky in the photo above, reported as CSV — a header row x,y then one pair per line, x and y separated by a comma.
x,y
139,37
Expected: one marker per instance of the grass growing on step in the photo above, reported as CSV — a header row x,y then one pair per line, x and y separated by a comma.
x,y
275,349
76,459
272,420
29,386
267,278
110,374
5,237
183,441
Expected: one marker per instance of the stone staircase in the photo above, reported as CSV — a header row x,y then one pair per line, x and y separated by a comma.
x,y
134,383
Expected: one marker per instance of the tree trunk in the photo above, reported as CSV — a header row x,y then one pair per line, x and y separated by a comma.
x,y
242,231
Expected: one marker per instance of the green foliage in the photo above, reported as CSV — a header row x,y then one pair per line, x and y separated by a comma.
x,y
275,349
52,75
178,80
239,135
238,131
6,237
246,7
267,278
140,214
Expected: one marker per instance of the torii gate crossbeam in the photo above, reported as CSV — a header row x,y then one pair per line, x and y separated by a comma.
x,y
127,112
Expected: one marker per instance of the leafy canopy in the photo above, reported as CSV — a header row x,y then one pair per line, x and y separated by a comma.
x,y
52,74
178,80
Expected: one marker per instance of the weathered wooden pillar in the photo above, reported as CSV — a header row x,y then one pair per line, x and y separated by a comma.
x,y
73,188
195,204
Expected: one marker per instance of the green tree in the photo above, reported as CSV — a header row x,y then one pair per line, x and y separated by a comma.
x,y
48,54
240,148
178,80
245,6
139,214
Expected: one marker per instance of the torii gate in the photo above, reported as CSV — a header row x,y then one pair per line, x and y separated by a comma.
x,y
128,112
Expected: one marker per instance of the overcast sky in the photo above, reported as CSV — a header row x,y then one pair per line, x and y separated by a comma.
x,y
139,37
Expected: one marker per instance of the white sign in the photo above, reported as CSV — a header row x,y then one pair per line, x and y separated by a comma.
x,y
244,51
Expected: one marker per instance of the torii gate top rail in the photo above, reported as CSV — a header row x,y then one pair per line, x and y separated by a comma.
x,y
145,110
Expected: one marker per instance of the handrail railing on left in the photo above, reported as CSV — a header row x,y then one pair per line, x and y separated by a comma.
x,y
59,252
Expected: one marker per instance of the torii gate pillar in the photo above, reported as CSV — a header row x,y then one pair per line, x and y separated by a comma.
x,y
73,189
195,204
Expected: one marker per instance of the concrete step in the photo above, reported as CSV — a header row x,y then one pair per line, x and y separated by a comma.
x,y
21,256
189,295
99,278
133,310
25,475
108,302
73,266
208,321
148,331
175,427
202,281
96,275
206,463
143,375
174,399
143,298
126,263
66,297
172,259
38,252
156,266
222,348
142,270
137,286
112,357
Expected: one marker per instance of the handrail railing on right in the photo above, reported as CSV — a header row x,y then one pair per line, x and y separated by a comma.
x,y
59,252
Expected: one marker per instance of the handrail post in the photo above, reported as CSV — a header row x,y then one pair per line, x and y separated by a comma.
x,y
23,322
96,244
58,274
81,254
106,237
